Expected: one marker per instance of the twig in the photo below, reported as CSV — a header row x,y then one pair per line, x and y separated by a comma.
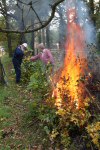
x,y
91,97
36,14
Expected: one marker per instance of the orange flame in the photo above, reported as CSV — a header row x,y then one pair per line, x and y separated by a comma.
x,y
75,63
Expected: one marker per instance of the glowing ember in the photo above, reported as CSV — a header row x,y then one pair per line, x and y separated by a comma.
x,y
75,64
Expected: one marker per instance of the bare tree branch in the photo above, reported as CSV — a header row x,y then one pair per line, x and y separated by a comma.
x,y
42,25
36,14
30,3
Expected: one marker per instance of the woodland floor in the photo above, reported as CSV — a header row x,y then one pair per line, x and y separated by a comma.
x,y
16,132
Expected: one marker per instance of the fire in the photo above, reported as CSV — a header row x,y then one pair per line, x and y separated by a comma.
x,y
75,64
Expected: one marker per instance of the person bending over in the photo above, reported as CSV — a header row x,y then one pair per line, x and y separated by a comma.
x,y
45,55
17,60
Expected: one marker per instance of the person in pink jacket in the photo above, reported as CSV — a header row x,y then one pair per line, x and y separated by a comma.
x,y
45,55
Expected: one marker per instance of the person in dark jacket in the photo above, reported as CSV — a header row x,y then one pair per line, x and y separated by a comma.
x,y
17,60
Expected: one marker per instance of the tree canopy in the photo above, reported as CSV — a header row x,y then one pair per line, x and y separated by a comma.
x,y
20,13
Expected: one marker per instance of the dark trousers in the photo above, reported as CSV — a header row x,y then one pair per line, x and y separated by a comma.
x,y
17,67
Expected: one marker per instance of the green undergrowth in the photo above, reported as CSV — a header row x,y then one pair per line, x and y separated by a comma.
x,y
16,131
66,127
29,118
5,110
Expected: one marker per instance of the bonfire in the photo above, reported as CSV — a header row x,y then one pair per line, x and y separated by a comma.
x,y
69,88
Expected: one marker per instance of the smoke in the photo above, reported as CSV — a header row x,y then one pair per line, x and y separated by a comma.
x,y
86,22
42,8
83,19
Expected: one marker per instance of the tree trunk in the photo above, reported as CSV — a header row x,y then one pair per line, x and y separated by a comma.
x,y
7,26
32,43
48,36
2,81
22,27
62,27
22,39
39,36
9,45
92,8
32,37
43,36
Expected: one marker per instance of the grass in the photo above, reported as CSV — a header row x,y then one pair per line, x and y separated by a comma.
x,y
5,110
15,133
3,94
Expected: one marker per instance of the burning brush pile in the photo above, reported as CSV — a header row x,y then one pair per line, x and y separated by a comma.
x,y
70,114
71,81
75,89
75,65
